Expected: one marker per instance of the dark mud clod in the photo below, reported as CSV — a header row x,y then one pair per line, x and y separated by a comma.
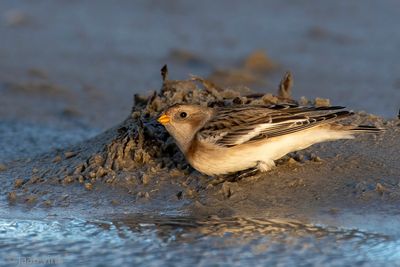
x,y
79,169
285,87
139,100
164,73
122,130
298,157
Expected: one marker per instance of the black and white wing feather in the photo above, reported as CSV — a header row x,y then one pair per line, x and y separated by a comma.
x,y
240,125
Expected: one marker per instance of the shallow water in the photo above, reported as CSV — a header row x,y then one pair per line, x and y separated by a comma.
x,y
153,241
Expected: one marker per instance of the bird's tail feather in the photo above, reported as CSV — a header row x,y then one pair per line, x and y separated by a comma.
x,y
366,129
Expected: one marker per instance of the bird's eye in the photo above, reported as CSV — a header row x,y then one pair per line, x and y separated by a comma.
x,y
183,114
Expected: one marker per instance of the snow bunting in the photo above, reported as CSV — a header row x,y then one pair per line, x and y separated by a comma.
x,y
219,141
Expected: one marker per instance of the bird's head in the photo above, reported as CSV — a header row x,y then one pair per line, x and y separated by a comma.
x,y
183,121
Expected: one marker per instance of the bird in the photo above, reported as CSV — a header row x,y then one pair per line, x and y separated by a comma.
x,y
229,140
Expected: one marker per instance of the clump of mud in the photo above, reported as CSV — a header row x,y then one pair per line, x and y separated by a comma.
x,y
141,146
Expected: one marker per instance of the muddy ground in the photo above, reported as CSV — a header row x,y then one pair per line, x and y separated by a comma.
x,y
135,167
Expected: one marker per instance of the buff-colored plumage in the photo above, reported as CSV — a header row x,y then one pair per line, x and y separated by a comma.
x,y
217,141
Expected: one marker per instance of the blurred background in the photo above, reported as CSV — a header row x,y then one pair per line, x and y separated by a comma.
x,y
76,64
69,70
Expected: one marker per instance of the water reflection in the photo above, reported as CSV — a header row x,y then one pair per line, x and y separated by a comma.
x,y
149,240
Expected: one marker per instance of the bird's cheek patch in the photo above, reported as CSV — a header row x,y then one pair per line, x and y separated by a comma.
x,y
164,119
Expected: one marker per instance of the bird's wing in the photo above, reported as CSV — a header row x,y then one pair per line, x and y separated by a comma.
x,y
239,125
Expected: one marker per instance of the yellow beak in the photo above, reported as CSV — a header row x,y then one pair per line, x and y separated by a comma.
x,y
163,119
